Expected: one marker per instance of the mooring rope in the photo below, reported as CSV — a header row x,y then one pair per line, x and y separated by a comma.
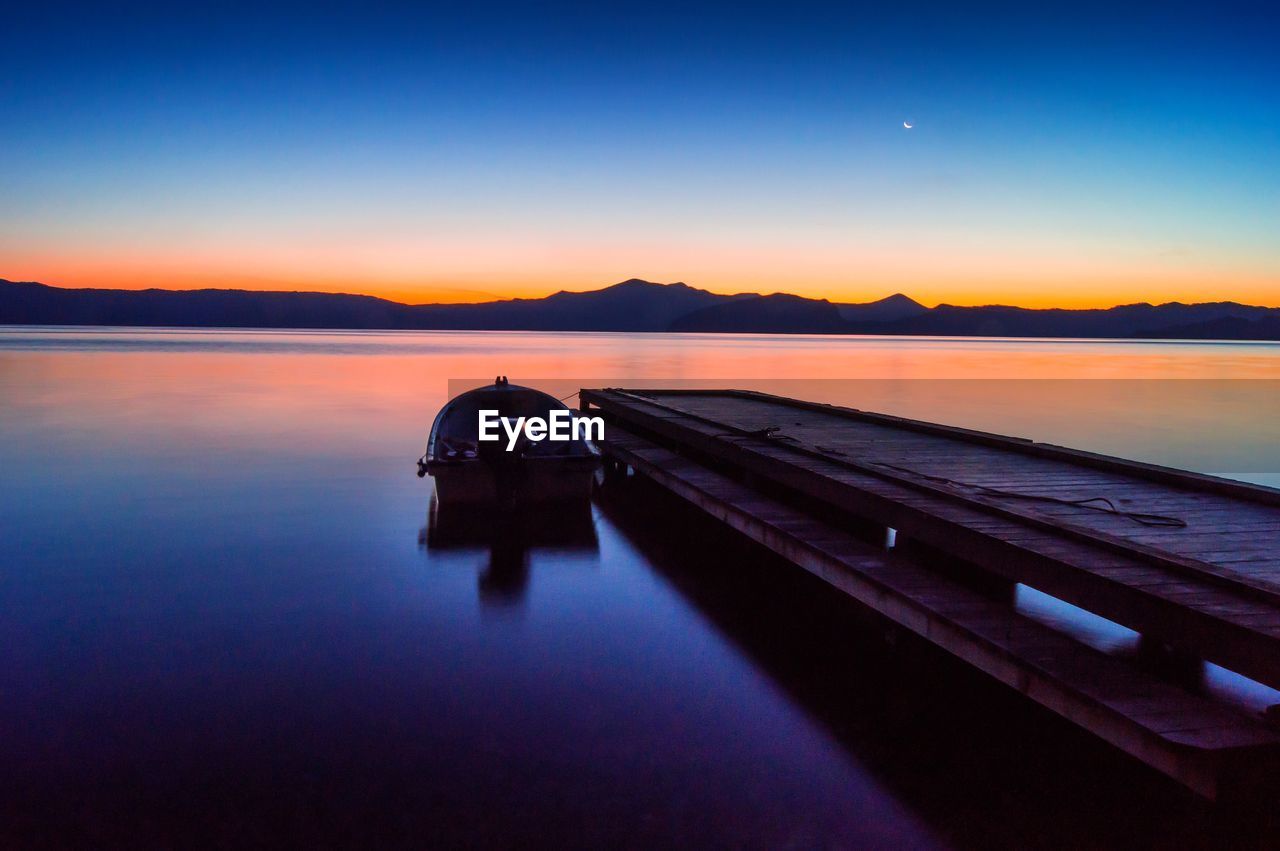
x,y
1106,506
1100,504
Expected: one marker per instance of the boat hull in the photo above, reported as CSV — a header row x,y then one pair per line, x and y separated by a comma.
x,y
526,471
535,481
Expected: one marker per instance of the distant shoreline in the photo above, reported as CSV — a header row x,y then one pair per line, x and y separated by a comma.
x,y
631,306
1153,341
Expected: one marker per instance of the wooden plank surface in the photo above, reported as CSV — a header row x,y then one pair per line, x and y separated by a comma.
x,y
1205,585
1185,736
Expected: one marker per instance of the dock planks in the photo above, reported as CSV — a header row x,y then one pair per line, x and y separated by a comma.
x,y
1207,585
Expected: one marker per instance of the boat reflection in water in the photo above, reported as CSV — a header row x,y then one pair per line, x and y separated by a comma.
x,y
510,537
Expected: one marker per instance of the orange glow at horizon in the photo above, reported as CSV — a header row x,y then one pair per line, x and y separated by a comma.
x,y
1011,281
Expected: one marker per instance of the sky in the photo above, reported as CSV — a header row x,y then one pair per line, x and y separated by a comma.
x,y
1076,155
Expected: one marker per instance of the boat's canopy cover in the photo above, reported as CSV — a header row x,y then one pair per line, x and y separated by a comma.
x,y
456,428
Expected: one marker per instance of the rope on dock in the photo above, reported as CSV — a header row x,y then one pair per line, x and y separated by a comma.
x,y
1101,504
1093,503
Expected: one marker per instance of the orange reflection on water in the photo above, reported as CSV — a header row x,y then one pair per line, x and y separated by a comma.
x,y
359,393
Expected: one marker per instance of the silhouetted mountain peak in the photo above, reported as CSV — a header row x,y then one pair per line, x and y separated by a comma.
x,y
629,286
888,309
793,297
642,284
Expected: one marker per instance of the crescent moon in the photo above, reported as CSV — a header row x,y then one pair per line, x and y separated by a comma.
x,y
906,125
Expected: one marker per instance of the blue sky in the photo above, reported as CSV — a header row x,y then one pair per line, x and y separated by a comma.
x,y
1073,155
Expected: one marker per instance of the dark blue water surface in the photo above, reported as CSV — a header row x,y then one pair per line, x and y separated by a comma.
x,y
223,622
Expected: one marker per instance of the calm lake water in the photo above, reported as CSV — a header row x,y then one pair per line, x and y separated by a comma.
x,y
228,617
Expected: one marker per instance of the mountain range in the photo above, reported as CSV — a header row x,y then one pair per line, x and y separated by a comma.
x,y
632,305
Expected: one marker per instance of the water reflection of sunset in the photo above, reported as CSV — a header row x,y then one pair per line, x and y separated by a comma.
x,y
292,392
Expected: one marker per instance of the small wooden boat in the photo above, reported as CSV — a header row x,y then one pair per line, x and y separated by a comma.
x,y
470,471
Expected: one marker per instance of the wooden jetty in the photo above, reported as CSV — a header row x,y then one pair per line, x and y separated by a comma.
x,y
1192,562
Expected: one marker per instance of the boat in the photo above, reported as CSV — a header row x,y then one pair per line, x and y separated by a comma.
x,y
525,471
